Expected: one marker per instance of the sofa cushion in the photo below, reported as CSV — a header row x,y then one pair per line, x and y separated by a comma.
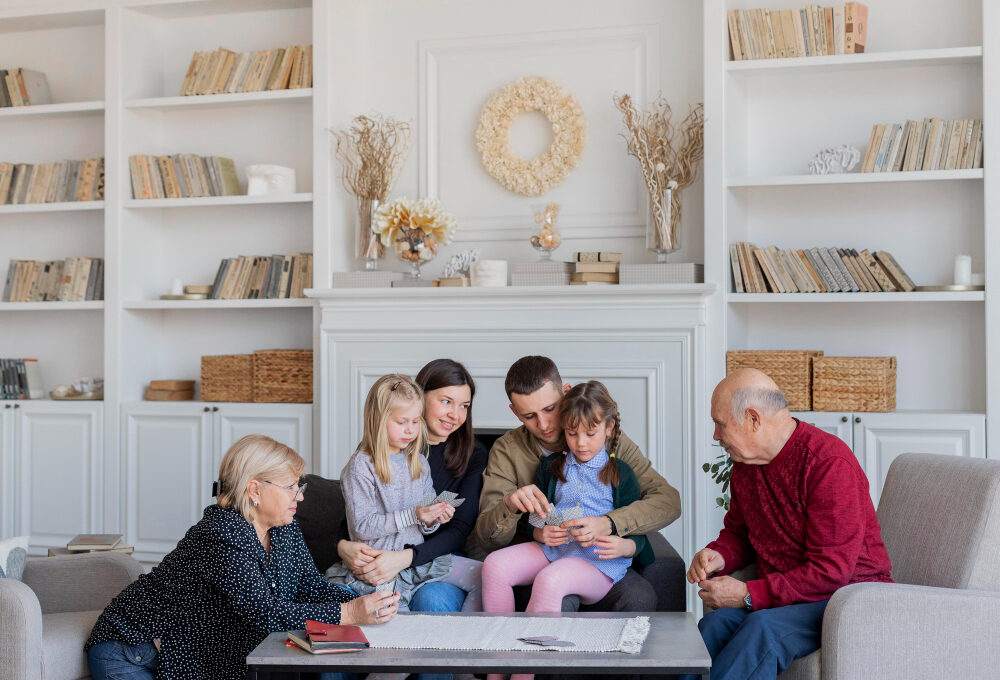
x,y
63,637
13,556
806,668
321,517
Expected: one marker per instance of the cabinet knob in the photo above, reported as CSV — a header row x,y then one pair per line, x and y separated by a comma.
x,y
6,405
857,419
17,406
207,409
214,409
843,419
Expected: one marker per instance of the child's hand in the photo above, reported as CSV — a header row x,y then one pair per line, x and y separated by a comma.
x,y
610,547
356,555
551,536
447,512
429,514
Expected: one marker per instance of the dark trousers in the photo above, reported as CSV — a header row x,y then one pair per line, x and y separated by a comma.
x,y
760,645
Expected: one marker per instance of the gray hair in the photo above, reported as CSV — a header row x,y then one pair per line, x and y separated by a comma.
x,y
767,401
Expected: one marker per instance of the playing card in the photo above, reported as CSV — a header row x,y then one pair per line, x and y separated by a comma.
x,y
554,518
449,497
388,585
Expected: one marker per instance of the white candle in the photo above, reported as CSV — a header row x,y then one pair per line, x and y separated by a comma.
x,y
963,270
177,287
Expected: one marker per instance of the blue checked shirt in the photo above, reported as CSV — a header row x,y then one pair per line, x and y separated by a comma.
x,y
583,488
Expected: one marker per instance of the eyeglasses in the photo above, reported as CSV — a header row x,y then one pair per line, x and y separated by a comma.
x,y
294,489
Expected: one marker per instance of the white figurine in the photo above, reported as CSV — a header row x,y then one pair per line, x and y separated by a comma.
x,y
459,264
835,160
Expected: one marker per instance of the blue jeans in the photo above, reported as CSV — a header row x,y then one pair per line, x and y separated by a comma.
x,y
757,645
117,661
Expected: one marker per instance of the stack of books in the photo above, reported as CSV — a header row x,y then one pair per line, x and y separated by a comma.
x,y
328,638
815,270
85,543
183,176
20,379
541,273
170,390
595,269
52,182
71,280
263,277
788,33
22,87
934,144
225,72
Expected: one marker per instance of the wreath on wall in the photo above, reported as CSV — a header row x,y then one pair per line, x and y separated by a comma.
x,y
569,135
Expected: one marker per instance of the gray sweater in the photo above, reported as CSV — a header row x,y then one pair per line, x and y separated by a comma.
x,y
382,515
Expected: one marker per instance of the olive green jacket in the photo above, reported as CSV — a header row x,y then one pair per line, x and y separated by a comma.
x,y
513,463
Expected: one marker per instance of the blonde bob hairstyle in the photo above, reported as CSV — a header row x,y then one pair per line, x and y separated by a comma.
x,y
388,393
259,457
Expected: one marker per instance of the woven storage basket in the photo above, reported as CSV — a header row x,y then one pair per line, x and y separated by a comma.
x,y
790,369
854,384
283,375
228,377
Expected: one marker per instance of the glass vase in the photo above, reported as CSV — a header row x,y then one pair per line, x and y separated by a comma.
x,y
663,225
369,247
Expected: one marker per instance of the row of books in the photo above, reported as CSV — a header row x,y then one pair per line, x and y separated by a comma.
x,y
71,280
52,182
183,176
23,87
934,144
84,543
225,72
785,33
20,379
595,268
263,277
815,270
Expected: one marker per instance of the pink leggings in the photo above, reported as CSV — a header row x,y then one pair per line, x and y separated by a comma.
x,y
525,563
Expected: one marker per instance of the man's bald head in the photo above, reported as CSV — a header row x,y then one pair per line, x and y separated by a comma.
x,y
751,416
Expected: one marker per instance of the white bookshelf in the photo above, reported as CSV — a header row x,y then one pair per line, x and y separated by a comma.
x,y
221,100
54,306
70,206
69,110
209,201
764,121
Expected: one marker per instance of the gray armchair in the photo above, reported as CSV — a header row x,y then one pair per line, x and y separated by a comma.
x,y
48,617
940,518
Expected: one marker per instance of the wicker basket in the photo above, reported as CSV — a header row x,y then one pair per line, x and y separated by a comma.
x,y
790,369
283,375
854,384
228,377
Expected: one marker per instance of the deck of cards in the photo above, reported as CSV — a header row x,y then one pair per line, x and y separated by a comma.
x,y
547,641
554,518
449,497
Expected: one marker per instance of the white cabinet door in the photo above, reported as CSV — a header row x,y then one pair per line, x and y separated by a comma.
x,y
58,464
880,437
837,424
169,472
290,424
7,486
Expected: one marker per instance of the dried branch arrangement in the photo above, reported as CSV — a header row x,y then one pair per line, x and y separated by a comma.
x,y
669,155
372,152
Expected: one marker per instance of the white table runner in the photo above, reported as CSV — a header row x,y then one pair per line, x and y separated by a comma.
x,y
501,633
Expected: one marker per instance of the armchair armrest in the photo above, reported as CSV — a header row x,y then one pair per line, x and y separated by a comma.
x,y
896,632
21,632
666,574
78,583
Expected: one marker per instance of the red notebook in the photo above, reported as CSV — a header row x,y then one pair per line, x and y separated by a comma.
x,y
327,638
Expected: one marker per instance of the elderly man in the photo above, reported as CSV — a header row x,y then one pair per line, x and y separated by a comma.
x,y
801,510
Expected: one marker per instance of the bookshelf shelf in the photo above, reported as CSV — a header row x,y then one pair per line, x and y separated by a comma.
x,y
811,298
284,303
69,206
216,201
871,61
854,178
302,95
89,305
68,110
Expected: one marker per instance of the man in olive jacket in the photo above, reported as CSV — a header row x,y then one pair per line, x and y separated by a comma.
x,y
535,389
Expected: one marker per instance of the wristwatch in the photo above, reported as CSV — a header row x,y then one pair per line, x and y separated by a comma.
x,y
614,529
748,603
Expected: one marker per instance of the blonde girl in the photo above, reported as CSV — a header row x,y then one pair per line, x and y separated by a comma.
x,y
384,484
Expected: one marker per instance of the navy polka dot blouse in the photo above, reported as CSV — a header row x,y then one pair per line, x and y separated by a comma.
x,y
217,595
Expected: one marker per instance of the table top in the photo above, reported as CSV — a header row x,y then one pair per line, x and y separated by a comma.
x,y
674,645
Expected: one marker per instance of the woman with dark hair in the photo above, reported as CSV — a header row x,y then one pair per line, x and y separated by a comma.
x,y
457,462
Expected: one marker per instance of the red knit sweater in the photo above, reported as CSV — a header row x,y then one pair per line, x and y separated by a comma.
x,y
808,519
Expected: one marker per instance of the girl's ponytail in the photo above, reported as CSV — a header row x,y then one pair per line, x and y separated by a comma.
x,y
609,473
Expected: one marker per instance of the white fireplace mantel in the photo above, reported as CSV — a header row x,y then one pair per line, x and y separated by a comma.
x,y
646,343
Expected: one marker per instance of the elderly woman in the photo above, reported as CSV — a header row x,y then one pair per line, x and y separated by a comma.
x,y
240,573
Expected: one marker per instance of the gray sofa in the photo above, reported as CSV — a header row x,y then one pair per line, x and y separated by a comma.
x,y
940,518
47,618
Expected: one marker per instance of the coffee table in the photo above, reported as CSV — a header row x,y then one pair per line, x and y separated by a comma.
x,y
673,646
